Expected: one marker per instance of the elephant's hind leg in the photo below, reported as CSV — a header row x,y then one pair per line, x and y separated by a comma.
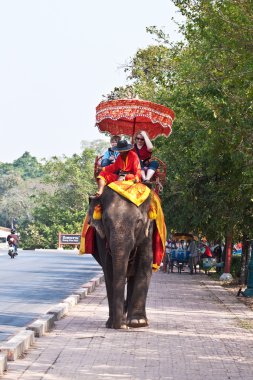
x,y
109,323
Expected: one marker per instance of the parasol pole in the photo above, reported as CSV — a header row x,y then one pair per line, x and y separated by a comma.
x,y
133,130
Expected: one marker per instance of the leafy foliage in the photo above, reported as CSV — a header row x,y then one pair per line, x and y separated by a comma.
x,y
64,208
207,80
45,199
26,166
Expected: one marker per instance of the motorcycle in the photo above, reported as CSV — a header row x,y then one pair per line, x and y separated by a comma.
x,y
12,252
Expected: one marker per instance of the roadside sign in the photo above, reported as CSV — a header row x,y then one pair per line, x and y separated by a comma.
x,y
68,239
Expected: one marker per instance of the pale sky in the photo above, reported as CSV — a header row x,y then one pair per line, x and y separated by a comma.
x,y
58,58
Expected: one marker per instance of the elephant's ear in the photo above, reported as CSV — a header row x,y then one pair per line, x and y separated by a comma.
x,y
95,217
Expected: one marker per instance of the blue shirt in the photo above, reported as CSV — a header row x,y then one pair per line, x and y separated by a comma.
x,y
110,153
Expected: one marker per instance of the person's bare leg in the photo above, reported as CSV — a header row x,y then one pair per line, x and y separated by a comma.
x,y
143,175
101,186
150,174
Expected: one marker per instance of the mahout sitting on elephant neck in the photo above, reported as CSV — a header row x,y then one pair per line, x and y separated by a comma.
x,y
127,161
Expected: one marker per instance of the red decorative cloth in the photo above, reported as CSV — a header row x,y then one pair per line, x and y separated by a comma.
x,y
158,249
87,244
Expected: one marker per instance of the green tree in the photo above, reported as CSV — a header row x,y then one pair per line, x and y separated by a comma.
x,y
64,207
28,166
207,81
17,198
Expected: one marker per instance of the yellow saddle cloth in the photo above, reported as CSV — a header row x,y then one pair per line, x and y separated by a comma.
x,y
137,193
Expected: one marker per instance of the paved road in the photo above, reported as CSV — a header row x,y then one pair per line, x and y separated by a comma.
x,y
34,281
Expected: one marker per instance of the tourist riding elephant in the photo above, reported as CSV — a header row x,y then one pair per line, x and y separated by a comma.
x,y
124,250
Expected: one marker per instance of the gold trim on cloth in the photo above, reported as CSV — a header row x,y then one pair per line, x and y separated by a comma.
x,y
160,223
137,193
85,228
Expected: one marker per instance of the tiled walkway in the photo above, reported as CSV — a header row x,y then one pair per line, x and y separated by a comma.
x,y
198,331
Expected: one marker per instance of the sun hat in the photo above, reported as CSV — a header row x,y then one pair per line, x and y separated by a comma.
x,y
122,146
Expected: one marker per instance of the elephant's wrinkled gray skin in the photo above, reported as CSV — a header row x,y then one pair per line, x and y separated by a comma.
x,y
124,242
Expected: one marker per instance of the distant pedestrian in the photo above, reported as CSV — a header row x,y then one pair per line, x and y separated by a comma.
x,y
168,246
206,251
217,253
193,258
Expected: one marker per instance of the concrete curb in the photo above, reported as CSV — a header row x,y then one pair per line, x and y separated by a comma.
x,y
3,363
19,344
82,292
42,325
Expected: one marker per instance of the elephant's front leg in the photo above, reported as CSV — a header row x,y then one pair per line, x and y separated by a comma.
x,y
119,280
105,260
138,287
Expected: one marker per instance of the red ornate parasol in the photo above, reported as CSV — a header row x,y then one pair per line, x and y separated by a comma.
x,y
127,116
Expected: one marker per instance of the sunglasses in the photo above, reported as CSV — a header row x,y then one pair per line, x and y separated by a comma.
x,y
138,138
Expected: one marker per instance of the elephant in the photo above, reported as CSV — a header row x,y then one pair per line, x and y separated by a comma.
x,y
124,251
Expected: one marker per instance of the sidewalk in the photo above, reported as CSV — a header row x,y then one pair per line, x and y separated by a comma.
x,y
197,331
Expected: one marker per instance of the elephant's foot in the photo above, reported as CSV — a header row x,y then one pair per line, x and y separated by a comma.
x,y
109,324
137,322
123,326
